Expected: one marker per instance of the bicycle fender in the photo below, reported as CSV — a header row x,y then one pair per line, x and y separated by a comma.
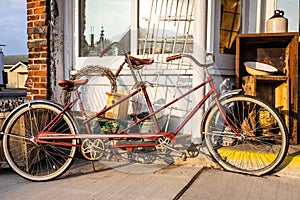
x,y
226,94
54,104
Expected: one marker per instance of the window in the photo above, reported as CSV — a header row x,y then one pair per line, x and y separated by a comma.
x,y
102,22
166,26
230,25
163,26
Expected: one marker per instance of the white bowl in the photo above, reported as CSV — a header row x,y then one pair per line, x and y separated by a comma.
x,y
257,68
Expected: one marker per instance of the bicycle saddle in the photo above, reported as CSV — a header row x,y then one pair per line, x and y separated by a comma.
x,y
69,85
138,63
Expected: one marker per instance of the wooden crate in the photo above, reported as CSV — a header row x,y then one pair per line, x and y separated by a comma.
x,y
280,89
272,89
119,111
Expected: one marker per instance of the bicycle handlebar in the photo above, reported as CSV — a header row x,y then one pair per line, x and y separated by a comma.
x,y
178,56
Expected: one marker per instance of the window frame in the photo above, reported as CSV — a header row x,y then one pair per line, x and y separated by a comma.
x,y
71,53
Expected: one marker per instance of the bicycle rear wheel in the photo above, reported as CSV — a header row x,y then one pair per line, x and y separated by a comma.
x,y
263,141
31,160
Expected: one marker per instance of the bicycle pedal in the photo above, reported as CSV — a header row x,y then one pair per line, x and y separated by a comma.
x,y
193,150
193,147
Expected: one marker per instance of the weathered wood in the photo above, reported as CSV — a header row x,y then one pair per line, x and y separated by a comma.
x,y
280,89
272,89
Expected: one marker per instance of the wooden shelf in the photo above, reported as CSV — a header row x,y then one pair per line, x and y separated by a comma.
x,y
270,78
280,89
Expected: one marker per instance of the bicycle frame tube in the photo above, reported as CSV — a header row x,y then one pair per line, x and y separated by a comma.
x,y
112,106
198,106
59,116
68,106
152,112
227,120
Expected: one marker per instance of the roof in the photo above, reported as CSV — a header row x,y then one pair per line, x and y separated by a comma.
x,y
17,66
12,60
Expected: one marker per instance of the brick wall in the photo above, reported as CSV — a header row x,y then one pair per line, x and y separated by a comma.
x,y
38,47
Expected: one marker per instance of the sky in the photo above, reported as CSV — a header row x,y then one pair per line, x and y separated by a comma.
x,y
13,27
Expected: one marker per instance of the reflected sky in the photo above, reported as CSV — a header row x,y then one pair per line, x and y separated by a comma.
x,y
112,15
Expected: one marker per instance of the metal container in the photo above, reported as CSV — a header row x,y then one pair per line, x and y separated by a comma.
x,y
277,23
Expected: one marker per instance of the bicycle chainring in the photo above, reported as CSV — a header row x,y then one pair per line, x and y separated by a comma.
x,y
164,145
92,149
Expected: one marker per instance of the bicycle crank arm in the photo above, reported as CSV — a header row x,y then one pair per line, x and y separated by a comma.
x,y
183,154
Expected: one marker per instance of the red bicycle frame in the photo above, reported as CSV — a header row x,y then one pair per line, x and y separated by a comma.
x,y
44,136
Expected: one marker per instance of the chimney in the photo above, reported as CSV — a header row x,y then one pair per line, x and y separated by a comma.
x,y
92,37
1,63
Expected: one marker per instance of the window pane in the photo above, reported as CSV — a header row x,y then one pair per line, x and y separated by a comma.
x,y
166,26
101,23
230,25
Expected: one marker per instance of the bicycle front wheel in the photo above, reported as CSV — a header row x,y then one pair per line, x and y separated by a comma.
x,y
31,160
255,139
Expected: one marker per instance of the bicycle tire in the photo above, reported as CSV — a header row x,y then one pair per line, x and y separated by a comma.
x,y
33,161
263,143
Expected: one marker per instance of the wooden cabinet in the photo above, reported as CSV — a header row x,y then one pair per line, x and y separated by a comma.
x,y
280,89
